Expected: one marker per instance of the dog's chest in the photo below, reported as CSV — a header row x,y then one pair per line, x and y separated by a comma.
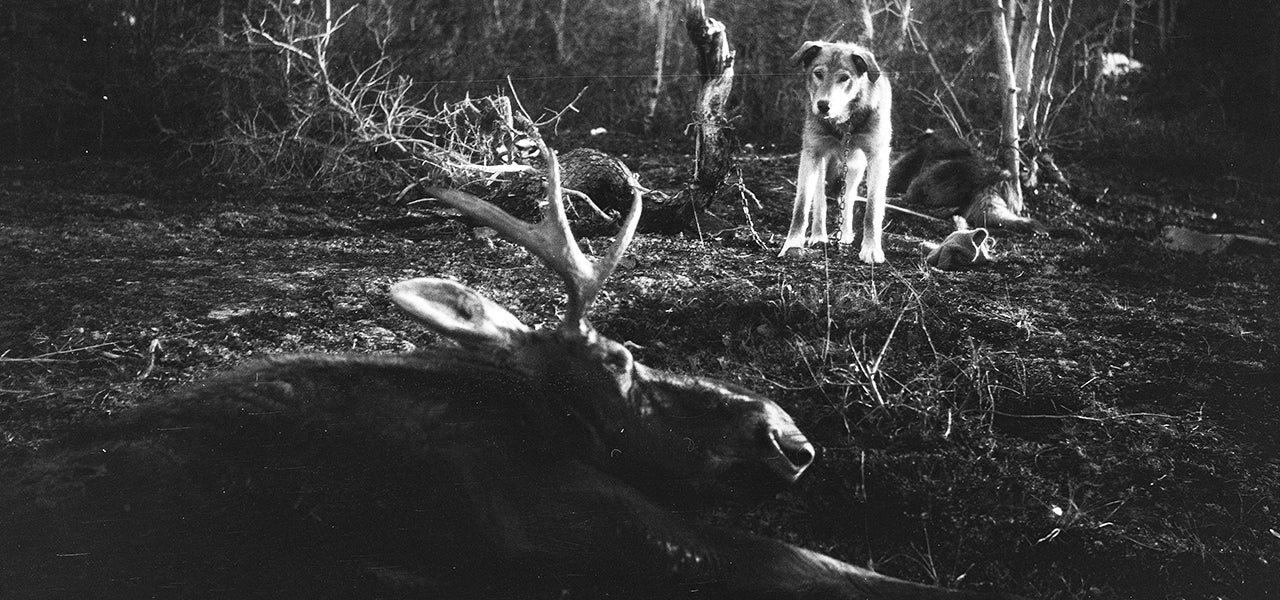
x,y
859,123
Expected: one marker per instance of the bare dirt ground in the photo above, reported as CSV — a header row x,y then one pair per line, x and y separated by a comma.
x,y
1092,417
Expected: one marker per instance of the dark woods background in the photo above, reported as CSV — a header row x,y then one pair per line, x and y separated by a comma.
x,y
107,77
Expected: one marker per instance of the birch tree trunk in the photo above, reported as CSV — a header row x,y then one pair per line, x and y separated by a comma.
x,y
654,93
558,20
905,24
1132,25
1009,107
1040,96
864,30
1025,61
715,70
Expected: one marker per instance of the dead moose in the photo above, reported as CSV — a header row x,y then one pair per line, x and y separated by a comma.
x,y
520,464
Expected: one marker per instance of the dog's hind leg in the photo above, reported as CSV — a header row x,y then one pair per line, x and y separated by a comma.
x,y
872,222
855,168
809,189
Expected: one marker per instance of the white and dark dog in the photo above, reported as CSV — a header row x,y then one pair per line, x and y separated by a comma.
x,y
847,118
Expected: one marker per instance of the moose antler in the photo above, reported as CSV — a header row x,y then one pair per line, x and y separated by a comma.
x,y
552,240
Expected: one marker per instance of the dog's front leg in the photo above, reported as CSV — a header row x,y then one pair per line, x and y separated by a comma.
x,y
809,184
855,168
872,222
818,208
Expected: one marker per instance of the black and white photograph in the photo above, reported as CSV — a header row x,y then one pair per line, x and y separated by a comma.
x,y
640,299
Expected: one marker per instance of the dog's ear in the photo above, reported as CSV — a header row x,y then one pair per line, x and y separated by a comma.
x,y
867,62
807,52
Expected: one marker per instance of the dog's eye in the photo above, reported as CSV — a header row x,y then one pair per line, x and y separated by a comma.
x,y
818,75
844,78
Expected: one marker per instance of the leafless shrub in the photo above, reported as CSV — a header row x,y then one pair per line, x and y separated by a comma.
x,y
309,119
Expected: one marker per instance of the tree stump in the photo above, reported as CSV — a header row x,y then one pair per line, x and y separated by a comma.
x,y
715,70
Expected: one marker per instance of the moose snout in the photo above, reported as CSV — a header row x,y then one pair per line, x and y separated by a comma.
x,y
793,450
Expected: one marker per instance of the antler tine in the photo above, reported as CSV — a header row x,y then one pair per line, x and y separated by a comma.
x,y
605,266
552,240
565,257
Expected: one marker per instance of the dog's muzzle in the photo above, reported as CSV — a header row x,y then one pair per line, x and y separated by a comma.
x,y
823,110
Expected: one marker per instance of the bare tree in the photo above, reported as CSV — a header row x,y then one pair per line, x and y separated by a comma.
x,y
715,70
662,14
1039,28
905,24
1009,155
1024,60
1131,24
1040,99
864,30
558,18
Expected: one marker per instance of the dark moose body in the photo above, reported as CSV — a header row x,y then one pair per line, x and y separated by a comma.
x,y
522,464
337,476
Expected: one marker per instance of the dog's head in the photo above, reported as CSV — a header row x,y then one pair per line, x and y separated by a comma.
x,y
838,75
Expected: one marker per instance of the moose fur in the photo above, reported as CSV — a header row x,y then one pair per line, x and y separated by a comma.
x,y
350,476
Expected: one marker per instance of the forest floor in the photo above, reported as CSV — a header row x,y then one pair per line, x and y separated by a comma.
x,y
1093,416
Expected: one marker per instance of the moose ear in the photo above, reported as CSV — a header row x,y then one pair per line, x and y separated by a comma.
x,y
458,312
867,62
807,52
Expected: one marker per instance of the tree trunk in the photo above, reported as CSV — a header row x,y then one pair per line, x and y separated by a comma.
x,y
224,90
1010,17
1025,62
1041,97
715,70
1132,26
654,93
1009,113
558,24
1162,23
905,25
864,31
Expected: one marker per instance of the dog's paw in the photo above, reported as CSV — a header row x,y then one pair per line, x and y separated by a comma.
x,y
872,255
794,252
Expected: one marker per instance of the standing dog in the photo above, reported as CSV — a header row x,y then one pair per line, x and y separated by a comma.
x,y
847,118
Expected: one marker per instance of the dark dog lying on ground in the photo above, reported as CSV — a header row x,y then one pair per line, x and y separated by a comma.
x,y
948,177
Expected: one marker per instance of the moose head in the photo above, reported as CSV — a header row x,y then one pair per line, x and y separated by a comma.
x,y
648,424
